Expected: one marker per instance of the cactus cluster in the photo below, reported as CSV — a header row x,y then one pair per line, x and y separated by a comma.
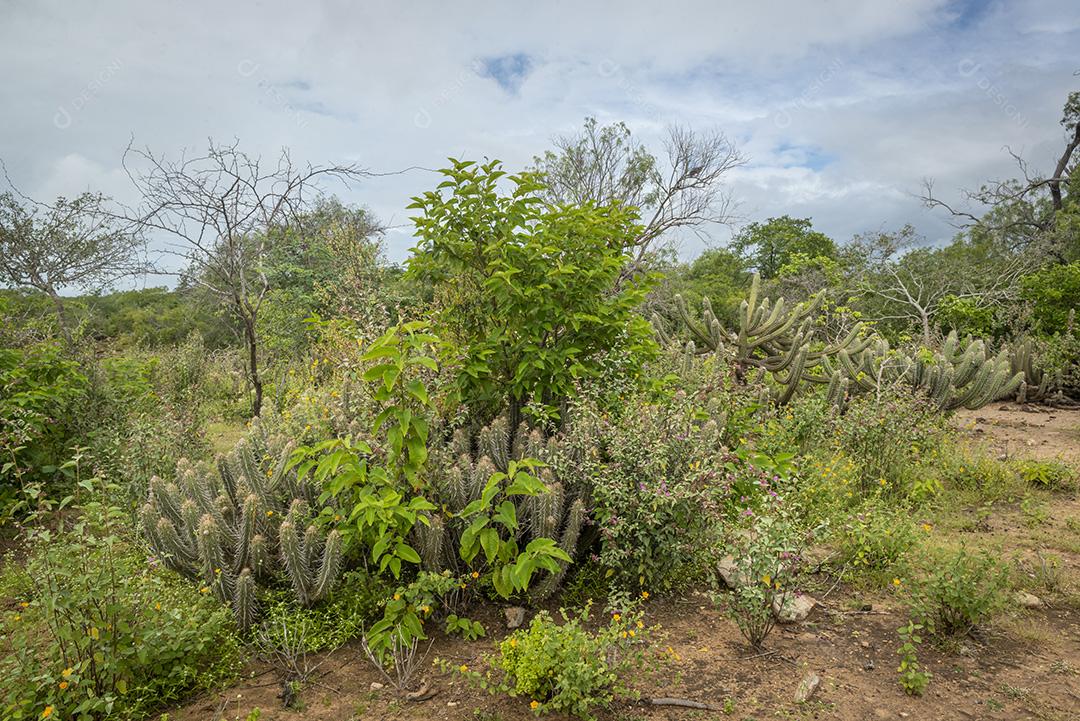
x,y
461,469
243,523
781,341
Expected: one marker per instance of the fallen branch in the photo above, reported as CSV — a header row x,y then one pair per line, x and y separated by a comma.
x,y
683,703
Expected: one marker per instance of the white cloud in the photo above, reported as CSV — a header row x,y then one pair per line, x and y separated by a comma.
x,y
843,107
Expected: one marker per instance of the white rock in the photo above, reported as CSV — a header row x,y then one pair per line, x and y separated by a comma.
x,y
515,616
376,686
807,687
792,608
1027,600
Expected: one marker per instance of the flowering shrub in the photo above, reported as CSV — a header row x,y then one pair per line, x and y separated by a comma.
x,y
874,540
565,668
652,491
766,552
100,633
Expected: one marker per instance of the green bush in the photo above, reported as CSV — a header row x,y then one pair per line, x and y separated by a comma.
x,y
874,540
564,668
959,591
1052,475
102,633
352,606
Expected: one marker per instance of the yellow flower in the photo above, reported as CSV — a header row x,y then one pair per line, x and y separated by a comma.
x,y
766,579
18,617
617,617
475,574
881,481
94,633
623,634
397,596
534,705
24,604
47,712
632,633
157,606
926,527
644,594
513,643
63,685
641,624
463,668
269,513
425,609
896,582
204,589
67,672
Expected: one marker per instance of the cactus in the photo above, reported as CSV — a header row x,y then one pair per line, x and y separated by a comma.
x,y
458,478
782,342
1037,386
245,524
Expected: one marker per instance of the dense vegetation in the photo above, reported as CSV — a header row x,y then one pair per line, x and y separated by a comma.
x,y
301,444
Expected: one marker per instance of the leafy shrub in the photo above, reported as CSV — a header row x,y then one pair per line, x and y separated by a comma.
x,y
913,679
766,552
1047,474
959,591
529,293
104,634
885,437
655,482
564,668
875,540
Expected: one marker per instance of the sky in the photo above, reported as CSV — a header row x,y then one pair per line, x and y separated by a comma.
x,y
841,107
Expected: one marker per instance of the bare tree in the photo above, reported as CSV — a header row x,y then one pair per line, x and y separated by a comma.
x,y
76,243
1024,209
222,211
603,165
911,283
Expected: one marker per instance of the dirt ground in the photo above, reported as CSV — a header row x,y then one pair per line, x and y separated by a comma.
x,y
1026,665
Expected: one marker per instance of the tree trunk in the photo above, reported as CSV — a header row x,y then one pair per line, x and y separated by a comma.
x,y
61,315
253,365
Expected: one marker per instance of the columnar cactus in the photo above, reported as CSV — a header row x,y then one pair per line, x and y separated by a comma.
x,y
248,522
782,342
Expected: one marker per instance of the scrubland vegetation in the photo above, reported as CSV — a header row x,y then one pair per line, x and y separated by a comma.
x,y
303,457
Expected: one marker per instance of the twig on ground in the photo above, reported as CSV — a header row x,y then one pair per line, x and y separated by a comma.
x,y
684,703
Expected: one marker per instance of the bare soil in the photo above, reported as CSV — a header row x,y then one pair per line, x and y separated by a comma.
x,y
1026,665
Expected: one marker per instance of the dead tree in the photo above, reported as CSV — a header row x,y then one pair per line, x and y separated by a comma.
x,y
221,212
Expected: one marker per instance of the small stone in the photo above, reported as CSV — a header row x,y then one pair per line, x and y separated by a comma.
x,y
729,572
515,616
807,687
864,644
1028,600
376,686
869,665
451,704
793,608
866,607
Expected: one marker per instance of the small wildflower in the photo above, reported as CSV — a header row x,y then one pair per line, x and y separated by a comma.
x,y
766,579
641,624
397,596
18,617
204,589
157,606
463,668
644,594
63,685
927,527
67,672
513,642
617,617
896,582
47,712
24,604
631,632
269,513
475,574
534,705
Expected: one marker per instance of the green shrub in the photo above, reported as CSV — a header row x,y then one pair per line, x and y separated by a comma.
x,y
564,668
959,591
1053,475
352,606
874,540
766,553
913,679
102,633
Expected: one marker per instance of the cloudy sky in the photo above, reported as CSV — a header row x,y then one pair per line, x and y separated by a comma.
x,y
841,106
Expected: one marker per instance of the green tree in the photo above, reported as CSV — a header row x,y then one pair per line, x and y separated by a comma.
x,y
769,246
523,287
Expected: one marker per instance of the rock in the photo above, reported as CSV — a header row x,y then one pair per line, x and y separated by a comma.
x,y
515,616
1028,600
729,572
793,608
868,665
376,686
807,687
866,607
